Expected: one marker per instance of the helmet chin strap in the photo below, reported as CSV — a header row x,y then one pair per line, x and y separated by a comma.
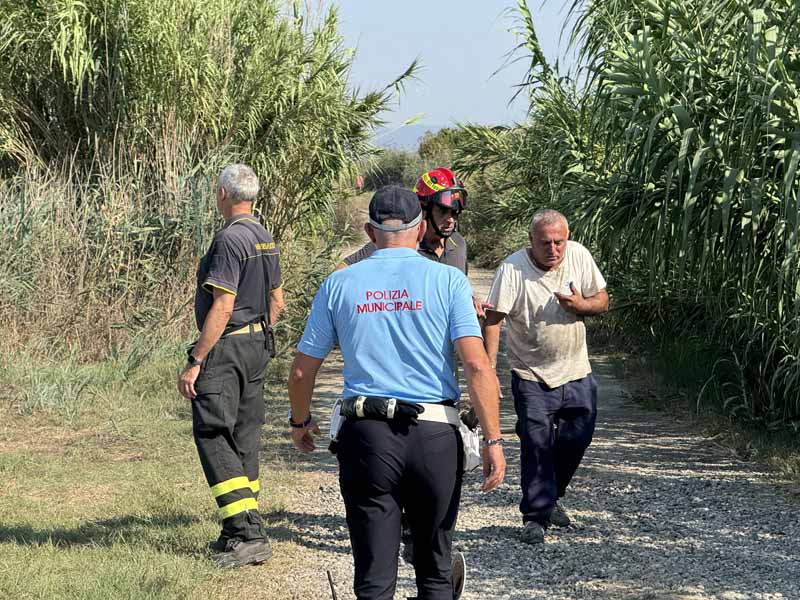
x,y
432,223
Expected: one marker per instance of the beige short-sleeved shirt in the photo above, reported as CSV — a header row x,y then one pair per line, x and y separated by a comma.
x,y
545,342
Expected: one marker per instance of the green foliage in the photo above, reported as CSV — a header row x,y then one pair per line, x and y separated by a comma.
x,y
62,389
90,267
396,167
403,168
676,156
437,149
175,83
92,272
115,119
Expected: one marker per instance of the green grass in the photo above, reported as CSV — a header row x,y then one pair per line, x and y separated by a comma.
x,y
670,375
105,498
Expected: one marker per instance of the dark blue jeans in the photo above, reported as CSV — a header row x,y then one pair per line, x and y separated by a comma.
x,y
555,426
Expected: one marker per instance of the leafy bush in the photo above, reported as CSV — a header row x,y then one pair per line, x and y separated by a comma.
x,y
92,271
438,149
396,167
115,120
184,87
676,156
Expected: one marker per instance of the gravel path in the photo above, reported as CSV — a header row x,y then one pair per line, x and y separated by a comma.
x,y
658,513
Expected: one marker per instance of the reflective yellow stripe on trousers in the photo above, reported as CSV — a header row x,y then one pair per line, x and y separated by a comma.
x,y
237,483
227,486
234,508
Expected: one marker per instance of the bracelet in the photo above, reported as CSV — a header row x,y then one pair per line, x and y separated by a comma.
x,y
302,425
494,442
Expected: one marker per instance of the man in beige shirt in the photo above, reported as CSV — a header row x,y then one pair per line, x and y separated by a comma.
x,y
544,292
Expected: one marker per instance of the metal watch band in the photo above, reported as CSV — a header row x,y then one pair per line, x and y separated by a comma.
x,y
493,442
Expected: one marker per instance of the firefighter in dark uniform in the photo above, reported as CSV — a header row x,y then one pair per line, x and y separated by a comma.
x,y
238,297
397,318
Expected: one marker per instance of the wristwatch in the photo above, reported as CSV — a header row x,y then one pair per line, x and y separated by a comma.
x,y
302,425
494,442
193,361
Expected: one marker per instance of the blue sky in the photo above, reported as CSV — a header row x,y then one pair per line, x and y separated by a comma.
x,y
460,44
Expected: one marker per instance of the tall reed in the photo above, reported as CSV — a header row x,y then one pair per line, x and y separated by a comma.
x,y
675,153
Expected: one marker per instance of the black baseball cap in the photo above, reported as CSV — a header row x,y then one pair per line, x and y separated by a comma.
x,y
393,202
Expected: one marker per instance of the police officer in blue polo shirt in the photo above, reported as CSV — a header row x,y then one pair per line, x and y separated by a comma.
x,y
397,317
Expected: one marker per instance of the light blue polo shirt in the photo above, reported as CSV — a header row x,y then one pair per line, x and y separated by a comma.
x,y
395,317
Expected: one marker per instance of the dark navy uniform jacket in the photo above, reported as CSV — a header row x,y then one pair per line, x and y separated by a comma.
x,y
454,255
242,260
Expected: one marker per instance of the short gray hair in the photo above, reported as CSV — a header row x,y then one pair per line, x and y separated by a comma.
x,y
548,216
401,236
239,182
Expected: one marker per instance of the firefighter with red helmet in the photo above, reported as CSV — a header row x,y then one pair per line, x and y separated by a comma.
x,y
443,197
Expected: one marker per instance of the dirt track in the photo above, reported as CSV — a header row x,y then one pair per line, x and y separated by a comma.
x,y
659,514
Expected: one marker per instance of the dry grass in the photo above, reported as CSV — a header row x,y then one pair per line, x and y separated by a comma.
x,y
115,504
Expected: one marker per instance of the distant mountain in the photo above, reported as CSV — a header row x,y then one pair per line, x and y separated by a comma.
x,y
404,138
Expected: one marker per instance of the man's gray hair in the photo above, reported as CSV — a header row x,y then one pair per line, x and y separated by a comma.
x,y
548,216
239,182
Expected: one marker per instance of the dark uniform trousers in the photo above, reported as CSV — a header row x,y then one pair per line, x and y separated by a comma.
x,y
555,427
385,467
227,418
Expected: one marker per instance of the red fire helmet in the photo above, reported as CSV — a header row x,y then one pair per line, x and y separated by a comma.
x,y
441,186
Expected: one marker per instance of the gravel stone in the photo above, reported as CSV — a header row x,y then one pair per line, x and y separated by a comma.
x,y
658,514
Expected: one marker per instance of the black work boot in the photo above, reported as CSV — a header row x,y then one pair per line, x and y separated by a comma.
x,y
243,541
236,526
219,544
239,553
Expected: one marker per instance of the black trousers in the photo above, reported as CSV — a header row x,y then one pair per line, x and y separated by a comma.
x,y
555,426
385,468
227,418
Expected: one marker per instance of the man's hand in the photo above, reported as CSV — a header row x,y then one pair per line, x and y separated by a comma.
x,y
481,307
186,381
302,438
583,306
494,466
573,302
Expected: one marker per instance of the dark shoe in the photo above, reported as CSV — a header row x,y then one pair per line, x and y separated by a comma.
x,y
459,574
559,517
247,524
219,544
239,553
532,533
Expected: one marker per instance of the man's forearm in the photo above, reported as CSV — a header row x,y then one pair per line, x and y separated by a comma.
x,y
491,341
302,377
485,396
215,323
300,392
276,305
595,305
